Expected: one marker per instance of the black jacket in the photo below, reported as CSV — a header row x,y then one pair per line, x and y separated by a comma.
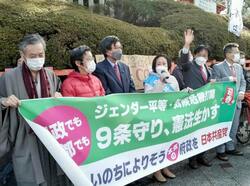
x,y
191,73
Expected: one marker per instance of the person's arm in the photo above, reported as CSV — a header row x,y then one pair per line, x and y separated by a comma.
x,y
184,57
99,73
184,61
242,88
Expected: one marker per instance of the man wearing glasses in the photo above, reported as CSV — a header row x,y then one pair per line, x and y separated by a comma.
x,y
230,70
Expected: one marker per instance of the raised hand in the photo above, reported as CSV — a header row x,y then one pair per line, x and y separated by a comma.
x,y
188,37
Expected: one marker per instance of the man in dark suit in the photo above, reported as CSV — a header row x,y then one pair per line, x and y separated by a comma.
x,y
196,75
114,75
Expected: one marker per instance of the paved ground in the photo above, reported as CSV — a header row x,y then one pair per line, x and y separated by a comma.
x,y
234,172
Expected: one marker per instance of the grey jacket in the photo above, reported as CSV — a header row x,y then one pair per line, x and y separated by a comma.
x,y
15,133
221,72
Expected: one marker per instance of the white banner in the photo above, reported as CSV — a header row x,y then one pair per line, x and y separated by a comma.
x,y
122,169
235,17
141,162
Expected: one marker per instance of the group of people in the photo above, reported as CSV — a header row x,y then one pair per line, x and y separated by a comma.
x,y
32,163
192,72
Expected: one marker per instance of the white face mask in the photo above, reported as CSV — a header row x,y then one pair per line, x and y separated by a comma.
x,y
163,72
35,64
236,58
160,69
200,60
242,61
91,66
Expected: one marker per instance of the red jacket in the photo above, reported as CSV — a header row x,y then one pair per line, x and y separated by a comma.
x,y
78,85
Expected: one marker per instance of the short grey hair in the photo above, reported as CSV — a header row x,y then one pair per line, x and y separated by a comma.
x,y
31,39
